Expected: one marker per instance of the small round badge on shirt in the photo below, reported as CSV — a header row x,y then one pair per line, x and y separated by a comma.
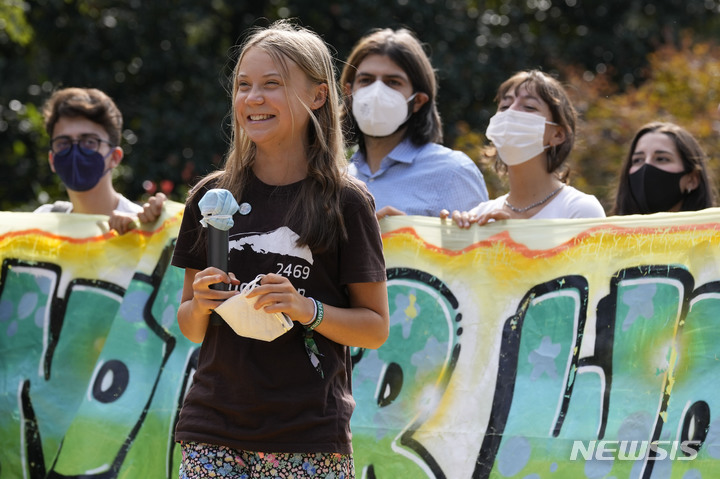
x,y
245,208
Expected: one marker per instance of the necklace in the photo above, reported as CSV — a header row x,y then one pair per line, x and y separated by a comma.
x,y
538,203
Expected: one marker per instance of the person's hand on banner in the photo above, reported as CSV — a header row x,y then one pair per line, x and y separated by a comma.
x,y
152,209
388,211
464,218
494,215
123,222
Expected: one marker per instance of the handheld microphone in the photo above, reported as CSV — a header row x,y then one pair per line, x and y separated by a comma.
x,y
217,207
217,252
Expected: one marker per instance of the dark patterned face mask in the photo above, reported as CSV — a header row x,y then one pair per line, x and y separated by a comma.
x,y
80,169
655,190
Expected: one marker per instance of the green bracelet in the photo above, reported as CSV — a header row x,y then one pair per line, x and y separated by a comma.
x,y
319,316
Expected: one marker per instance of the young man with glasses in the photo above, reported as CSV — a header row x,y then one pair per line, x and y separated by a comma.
x,y
85,128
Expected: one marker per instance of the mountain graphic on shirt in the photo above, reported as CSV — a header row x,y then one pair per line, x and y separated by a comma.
x,y
282,241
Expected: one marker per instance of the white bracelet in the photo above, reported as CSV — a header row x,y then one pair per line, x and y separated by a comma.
x,y
314,316
320,315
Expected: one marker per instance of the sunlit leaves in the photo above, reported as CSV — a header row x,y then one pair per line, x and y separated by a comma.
x,y
13,23
166,65
683,87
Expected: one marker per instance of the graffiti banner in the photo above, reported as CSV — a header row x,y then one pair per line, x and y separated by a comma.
x,y
92,363
521,349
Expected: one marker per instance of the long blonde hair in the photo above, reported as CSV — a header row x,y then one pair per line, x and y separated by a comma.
x,y
319,199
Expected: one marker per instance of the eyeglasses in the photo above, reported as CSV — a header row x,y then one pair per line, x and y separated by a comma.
x,y
62,144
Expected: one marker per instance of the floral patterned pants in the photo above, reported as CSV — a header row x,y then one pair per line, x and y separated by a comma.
x,y
206,460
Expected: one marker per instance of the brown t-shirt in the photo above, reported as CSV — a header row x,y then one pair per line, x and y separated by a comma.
x,y
266,396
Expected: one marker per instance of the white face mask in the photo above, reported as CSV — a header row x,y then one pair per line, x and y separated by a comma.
x,y
379,110
240,313
518,136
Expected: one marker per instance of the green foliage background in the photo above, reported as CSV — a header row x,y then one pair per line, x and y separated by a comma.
x,y
166,63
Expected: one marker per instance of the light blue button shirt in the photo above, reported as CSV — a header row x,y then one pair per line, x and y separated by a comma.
x,y
422,180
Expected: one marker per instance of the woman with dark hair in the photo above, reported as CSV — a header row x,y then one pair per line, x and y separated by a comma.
x,y
665,170
532,135
391,115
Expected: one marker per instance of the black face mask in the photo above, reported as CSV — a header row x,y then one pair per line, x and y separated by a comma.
x,y
655,190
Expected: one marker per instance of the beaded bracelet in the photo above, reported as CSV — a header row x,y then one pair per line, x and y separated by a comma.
x,y
320,313
314,316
